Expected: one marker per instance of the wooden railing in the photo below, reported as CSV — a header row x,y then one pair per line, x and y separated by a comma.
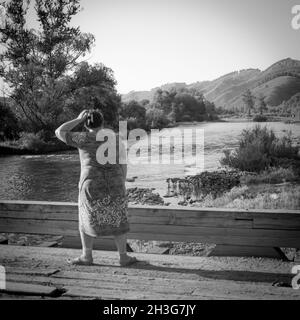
x,y
239,232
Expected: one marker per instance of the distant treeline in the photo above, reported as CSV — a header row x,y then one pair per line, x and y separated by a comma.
x,y
167,108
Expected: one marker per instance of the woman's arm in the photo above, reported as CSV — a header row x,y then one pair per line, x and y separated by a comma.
x,y
68,126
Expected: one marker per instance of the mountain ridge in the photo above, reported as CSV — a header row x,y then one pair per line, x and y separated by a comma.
x,y
278,83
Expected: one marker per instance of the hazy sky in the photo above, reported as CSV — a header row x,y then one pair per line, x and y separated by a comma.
x,y
151,42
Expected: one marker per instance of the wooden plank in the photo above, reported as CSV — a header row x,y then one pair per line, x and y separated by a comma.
x,y
31,271
100,293
237,240
217,222
184,220
100,243
37,206
48,244
172,274
137,287
234,236
43,215
29,289
176,233
230,232
41,206
158,250
112,283
274,228
164,265
288,223
247,251
50,227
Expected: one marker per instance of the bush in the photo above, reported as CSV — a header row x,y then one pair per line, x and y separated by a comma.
x,y
156,119
32,142
258,150
9,124
238,198
271,176
260,118
186,118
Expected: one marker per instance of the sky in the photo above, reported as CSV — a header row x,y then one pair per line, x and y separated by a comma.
x,y
148,43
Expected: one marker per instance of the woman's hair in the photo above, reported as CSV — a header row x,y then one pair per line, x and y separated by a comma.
x,y
94,119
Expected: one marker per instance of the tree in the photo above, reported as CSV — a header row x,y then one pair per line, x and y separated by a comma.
x,y
156,119
37,63
191,106
92,87
9,124
134,111
261,104
248,101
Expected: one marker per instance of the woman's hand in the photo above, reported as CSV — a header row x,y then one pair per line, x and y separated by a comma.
x,y
82,116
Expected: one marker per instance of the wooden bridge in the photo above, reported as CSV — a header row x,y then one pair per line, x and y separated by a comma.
x,y
39,271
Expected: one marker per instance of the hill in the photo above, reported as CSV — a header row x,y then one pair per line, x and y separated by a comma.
x,y
278,83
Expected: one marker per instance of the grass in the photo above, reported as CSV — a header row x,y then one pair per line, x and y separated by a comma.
x,y
271,176
257,197
31,146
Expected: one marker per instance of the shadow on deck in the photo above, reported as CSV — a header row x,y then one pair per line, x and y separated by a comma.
x,y
37,272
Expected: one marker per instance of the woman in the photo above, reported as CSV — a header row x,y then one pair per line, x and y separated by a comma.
x,y
102,200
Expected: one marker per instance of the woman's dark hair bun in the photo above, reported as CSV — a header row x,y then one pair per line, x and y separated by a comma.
x,y
94,119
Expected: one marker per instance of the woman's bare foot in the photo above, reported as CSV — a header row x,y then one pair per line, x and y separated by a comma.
x,y
127,260
81,261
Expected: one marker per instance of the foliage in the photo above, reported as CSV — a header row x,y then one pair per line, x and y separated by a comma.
x,y
271,176
245,198
259,149
135,114
92,87
183,104
9,128
248,101
260,118
32,141
36,63
156,119
261,104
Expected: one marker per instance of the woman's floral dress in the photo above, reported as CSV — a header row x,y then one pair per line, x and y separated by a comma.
x,y
102,200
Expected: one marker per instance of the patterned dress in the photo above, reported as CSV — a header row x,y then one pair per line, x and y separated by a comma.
x,y
102,200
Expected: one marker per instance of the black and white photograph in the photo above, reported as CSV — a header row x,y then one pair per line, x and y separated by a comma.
x,y
149,150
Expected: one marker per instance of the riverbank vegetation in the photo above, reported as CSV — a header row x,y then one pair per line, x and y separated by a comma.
x,y
263,172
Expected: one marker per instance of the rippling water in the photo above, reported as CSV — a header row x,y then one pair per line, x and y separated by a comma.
x,y
55,177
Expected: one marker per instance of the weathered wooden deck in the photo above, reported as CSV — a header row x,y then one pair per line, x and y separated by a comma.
x,y
33,272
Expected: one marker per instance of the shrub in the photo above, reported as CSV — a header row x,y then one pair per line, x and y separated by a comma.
x,y
273,175
9,129
258,150
260,118
156,119
32,142
186,118
286,198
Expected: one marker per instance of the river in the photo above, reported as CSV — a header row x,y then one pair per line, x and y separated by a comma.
x,y
54,177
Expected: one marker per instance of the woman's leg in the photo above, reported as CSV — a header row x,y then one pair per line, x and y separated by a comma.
x,y
87,246
121,243
87,250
